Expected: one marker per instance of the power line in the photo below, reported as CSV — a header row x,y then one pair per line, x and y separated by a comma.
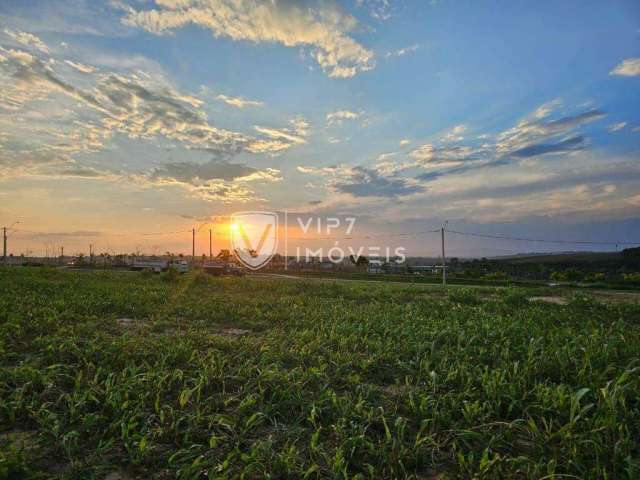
x,y
97,234
541,240
333,238
365,237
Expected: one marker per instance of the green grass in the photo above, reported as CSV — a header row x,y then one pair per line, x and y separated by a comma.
x,y
331,380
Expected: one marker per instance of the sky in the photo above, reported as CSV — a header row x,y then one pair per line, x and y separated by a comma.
x,y
127,123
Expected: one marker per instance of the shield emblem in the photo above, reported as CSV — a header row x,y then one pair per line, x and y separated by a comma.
x,y
254,237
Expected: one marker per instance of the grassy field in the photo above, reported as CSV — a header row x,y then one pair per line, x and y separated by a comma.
x,y
121,375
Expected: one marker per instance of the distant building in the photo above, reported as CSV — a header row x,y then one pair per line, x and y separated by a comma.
x,y
375,266
395,268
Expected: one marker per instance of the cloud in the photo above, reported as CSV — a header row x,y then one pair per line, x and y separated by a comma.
x,y
378,9
404,141
628,68
339,116
27,39
281,138
402,51
217,191
603,176
80,66
281,134
616,126
383,157
67,17
455,134
77,233
47,138
366,182
201,173
323,28
362,181
134,105
239,102
534,130
535,136
431,154
569,145
461,168
545,109
26,77
215,180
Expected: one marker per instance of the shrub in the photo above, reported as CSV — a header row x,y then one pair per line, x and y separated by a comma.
x,y
171,275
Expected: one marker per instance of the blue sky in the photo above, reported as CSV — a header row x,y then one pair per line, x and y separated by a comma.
x,y
129,116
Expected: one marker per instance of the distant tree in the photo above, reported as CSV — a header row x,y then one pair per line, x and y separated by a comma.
x,y
595,277
558,277
632,277
496,276
362,261
631,257
573,274
224,255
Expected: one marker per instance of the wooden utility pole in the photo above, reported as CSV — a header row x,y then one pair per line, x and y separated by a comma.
x,y
444,260
4,240
193,245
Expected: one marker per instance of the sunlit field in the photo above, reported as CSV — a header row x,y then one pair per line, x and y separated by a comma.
x,y
129,375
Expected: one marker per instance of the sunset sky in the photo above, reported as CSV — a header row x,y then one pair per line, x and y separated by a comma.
x,y
126,119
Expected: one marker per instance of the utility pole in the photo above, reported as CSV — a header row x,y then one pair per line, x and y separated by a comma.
x,y
210,244
444,260
193,245
90,254
4,240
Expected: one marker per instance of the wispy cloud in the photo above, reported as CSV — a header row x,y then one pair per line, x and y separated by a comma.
x,y
571,144
615,127
324,27
455,134
402,51
362,181
81,67
378,9
339,116
531,131
214,180
239,102
27,39
628,68
87,108
294,135
399,176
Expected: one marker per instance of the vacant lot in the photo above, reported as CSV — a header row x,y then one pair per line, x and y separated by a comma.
x,y
120,375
